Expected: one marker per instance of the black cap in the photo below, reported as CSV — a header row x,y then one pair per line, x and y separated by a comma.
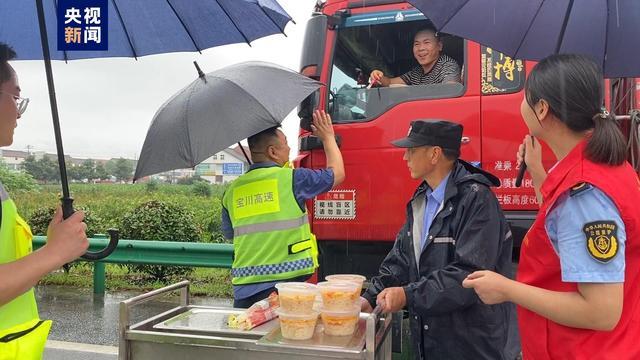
x,y
431,132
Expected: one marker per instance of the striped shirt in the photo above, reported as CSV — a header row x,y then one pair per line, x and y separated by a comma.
x,y
445,70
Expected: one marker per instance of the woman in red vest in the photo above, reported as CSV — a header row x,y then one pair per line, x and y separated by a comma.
x,y
577,288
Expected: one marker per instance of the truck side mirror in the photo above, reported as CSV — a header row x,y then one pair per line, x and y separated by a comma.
x,y
311,63
338,18
306,108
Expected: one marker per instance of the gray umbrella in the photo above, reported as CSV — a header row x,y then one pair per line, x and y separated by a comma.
x,y
218,110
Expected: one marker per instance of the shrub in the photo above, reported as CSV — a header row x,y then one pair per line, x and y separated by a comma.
x,y
16,181
161,221
201,188
214,224
152,185
40,219
110,201
218,190
190,180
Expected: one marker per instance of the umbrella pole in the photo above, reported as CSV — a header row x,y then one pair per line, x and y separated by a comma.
x,y
67,201
243,152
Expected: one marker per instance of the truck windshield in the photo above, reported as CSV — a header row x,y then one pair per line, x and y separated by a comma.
x,y
382,41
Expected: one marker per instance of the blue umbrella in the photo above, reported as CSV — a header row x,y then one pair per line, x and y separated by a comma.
x,y
136,28
606,30
146,27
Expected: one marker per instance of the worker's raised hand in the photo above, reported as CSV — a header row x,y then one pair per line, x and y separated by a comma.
x,y
67,239
322,126
490,286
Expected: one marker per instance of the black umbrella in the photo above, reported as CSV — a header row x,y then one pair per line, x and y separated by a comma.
x,y
217,110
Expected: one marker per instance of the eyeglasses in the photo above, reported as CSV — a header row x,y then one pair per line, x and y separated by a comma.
x,y
21,103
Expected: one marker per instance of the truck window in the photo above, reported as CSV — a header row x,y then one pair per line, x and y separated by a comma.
x,y
383,41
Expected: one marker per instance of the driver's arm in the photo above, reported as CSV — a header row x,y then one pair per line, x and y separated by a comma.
x,y
397,80
452,73
378,76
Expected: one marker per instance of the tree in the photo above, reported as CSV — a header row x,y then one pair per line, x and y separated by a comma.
x,y
44,169
74,172
123,169
100,172
88,169
50,170
30,165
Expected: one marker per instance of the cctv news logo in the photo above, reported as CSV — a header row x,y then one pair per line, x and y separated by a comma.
x,y
82,25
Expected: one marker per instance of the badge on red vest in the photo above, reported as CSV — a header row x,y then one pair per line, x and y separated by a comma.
x,y
602,241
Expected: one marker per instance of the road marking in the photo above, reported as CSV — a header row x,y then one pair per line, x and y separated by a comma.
x,y
64,345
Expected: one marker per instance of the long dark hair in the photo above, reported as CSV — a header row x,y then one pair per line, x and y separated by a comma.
x,y
6,54
572,85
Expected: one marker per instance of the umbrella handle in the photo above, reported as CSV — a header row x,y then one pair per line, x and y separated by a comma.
x,y
114,236
67,207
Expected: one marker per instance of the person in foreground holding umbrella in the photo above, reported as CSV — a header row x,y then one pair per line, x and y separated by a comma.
x,y
454,226
20,269
264,213
577,284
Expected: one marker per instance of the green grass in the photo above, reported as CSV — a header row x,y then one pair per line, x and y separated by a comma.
x,y
204,281
108,203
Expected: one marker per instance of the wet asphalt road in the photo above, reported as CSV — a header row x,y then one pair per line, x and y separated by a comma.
x,y
79,316
56,350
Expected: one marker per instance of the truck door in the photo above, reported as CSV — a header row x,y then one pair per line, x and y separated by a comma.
x,y
357,223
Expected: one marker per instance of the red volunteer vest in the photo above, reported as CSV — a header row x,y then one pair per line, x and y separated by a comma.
x,y
540,266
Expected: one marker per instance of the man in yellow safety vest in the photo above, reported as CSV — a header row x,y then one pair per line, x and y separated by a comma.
x,y
264,213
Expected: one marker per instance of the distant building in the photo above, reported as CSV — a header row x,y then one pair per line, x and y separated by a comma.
x,y
171,176
225,166
13,158
220,168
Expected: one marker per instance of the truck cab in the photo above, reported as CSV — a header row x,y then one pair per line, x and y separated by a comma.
x,y
356,223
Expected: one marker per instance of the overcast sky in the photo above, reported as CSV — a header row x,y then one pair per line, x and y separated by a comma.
x,y
106,105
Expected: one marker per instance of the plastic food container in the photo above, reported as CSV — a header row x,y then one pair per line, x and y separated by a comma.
x,y
317,304
297,297
297,326
356,279
339,295
340,323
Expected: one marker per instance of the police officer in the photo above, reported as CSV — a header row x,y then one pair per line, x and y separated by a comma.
x,y
264,213
21,269
577,285
454,226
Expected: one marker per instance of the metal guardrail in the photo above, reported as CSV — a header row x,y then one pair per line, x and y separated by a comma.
x,y
168,253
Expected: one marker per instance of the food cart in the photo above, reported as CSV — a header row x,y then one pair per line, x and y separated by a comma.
x,y
201,332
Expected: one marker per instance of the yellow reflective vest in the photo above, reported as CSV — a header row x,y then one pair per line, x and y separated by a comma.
x,y
22,333
271,235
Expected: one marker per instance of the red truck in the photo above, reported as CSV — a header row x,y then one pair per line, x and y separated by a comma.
x,y
345,40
